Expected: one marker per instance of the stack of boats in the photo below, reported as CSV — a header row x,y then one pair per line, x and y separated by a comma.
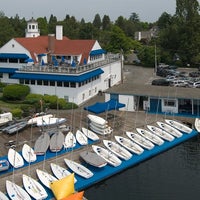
x,y
99,125
5,118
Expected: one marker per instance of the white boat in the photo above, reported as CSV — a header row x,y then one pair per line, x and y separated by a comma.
x,y
34,188
5,118
79,169
117,149
93,159
28,153
96,119
42,144
3,196
107,155
81,138
140,140
90,134
161,133
178,125
45,177
197,124
129,144
56,141
101,131
4,165
170,129
70,140
38,117
150,136
15,159
15,192
51,121
60,172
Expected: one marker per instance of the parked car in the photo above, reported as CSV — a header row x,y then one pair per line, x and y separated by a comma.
x,y
179,83
162,82
196,84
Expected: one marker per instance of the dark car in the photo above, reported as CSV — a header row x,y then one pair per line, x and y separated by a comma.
x,y
162,82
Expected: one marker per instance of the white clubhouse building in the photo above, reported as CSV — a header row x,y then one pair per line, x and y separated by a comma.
x,y
75,70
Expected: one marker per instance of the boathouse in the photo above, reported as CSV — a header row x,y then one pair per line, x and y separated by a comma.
x,y
75,70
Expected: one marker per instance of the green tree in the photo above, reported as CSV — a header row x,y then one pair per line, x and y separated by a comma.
x,y
43,25
106,23
97,21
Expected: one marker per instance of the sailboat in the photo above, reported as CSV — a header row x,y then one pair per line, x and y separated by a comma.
x,y
70,140
178,125
79,169
38,117
34,188
117,149
107,155
129,144
42,144
171,130
93,159
15,192
28,154
140,140
161,133
150,136
56,141
3,196
197,124
60,172
81,138
15,159
90,134
45,177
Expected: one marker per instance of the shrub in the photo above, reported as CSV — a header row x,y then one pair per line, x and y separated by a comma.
x,y
17,113
15,92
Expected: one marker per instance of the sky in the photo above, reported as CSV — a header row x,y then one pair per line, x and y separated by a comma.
x,y
147,10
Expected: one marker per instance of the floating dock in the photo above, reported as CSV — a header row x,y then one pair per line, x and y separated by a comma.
x,y
101,174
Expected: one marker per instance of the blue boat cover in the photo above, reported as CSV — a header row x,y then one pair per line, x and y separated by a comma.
x,y
100,107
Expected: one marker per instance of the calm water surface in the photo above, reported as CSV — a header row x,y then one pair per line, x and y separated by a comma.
x,y
172,175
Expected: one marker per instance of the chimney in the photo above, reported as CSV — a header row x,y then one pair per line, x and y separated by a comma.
x,y
59,32
51,43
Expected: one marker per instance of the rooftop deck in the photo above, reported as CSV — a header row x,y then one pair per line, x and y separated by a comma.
x,y
68,69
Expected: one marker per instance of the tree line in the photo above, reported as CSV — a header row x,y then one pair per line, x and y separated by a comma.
x,y
177,42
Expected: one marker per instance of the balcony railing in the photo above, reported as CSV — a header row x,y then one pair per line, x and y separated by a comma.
x,y
69,69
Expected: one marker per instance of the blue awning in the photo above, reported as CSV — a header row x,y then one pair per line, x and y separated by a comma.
x,y
97,52
7,70
56,77
14,55
100,107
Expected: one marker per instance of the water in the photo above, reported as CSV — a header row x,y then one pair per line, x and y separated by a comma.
x,y
172,175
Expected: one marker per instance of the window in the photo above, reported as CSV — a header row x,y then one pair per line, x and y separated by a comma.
x,y
66,84
26,82
1,75
170,102
59,83
32,82
83,96
73,84
45,82
52,83
39,82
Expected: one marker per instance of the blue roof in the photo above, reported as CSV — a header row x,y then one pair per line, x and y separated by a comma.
x,y
14,55
7,70
97,52
58,77
100,107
